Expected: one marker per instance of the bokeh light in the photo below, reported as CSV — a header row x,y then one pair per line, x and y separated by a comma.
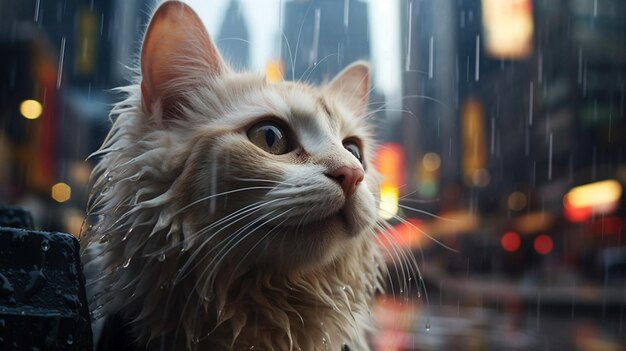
x,y
510,241
31,109
61,192
543,244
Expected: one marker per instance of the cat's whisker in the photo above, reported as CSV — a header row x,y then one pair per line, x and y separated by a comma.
x,y
312,69
215,263
212,196
407,265
264,181
261,239
429,98
233,39
420,277
233,238
192,259
427,213
291,60
407,254
425,234
295,54
394,262
230,217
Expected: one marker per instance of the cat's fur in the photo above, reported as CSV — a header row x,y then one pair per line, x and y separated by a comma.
x,y
203,240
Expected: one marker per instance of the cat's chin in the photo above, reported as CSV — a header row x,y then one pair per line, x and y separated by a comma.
x,y
315,243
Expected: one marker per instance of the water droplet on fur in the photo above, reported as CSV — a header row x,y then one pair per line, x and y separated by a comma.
x,y
195,340
344,288
126,263
109,178
161,257
208,298
104,239
45,245
127,234
135,177
70,339
184,246
427,326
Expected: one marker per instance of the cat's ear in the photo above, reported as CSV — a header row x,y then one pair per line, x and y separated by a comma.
x,y
352,85
176,51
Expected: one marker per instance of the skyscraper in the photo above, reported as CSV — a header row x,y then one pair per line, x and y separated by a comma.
x,y
323,36
233,37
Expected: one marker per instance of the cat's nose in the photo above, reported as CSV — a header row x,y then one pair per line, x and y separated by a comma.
x,y
347,177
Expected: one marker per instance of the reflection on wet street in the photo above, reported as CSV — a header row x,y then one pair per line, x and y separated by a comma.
x,y
475,314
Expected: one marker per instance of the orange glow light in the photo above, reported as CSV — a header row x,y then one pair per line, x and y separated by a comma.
x,y
274,71
406,234
508,27
390,163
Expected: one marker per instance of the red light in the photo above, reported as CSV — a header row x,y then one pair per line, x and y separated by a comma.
x,y
576,214
543,244
510,241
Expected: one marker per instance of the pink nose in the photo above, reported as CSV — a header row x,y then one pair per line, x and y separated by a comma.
x,y
348,178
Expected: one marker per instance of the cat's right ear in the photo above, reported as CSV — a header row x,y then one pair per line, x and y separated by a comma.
x,y
176,51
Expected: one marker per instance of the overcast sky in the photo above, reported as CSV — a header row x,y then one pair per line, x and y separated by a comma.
x,y
264,25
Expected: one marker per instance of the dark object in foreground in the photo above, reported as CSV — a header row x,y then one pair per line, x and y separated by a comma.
x,y
42,291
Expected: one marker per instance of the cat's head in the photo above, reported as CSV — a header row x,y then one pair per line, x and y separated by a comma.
x,y
271,173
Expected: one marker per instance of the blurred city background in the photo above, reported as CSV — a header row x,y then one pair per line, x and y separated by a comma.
x,y
502,143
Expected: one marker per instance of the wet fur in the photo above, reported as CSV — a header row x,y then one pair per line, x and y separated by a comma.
x,y
204,241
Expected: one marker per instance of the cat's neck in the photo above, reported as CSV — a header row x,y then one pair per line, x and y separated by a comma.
x,y
318,309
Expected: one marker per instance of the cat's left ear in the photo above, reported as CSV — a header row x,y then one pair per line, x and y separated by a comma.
x,y
177,51
352,86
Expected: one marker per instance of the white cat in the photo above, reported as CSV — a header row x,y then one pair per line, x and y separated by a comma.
x,y
235,213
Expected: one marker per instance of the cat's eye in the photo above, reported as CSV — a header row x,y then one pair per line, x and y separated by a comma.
x,y
354,149
270,137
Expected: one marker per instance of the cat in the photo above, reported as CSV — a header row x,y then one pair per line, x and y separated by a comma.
x,y
233,212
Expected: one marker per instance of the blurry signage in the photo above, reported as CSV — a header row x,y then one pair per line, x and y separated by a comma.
x,y
86,41
508,28
474,147
390,164
599,198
